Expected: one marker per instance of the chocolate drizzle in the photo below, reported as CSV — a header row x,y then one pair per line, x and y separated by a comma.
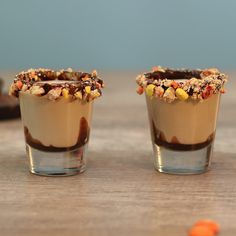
x,y
83,138
160,140
174,74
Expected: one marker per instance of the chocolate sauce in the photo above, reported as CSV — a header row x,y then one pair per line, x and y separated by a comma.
x,y
160,140
47,88
84,132
83,138
174,74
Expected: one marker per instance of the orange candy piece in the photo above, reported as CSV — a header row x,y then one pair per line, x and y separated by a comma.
x,y
140,90
19,84
201,230
204,228
174,84
209,224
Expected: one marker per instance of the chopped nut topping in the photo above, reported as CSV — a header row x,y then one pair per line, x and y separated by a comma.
x,y
53,94
169,84
54,84
36,90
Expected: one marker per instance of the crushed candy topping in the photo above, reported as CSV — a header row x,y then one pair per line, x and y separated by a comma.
x,y
54,84
169,84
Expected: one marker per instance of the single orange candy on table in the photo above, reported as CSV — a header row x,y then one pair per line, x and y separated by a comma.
x,y
210,224
200,230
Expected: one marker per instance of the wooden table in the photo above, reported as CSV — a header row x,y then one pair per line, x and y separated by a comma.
x,y
120,193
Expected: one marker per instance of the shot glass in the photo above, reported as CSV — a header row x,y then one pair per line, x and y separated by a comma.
x,y
56,109
182,109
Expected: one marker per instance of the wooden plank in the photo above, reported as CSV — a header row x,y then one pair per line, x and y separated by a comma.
x,y
120,193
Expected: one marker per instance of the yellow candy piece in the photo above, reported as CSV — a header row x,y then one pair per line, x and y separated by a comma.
x,y
96,94
78,95
87,89
181,94
65,93
150,90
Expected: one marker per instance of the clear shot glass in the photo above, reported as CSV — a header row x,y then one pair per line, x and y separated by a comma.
x,y
56,110
182,108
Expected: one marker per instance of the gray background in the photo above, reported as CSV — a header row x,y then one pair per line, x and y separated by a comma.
x,y
122,34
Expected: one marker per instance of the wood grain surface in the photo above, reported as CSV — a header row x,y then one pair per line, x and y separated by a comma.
x,y
120,193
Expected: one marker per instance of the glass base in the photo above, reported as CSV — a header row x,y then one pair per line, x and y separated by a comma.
x,y
56,163
182,162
